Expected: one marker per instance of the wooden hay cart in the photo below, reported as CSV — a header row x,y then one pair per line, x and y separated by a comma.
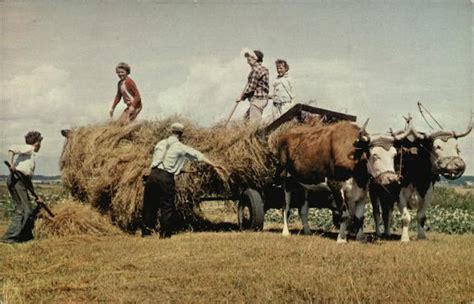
x,y
253,203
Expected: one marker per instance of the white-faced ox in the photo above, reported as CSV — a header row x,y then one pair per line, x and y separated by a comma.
x,y
423,158
342,154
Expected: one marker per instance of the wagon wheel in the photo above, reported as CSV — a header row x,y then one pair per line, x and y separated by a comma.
x,y
251,212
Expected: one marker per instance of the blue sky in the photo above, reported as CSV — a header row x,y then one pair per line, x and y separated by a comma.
x,y
368,58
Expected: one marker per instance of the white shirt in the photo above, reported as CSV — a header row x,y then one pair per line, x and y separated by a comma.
x,y
283,89
25,160
176,155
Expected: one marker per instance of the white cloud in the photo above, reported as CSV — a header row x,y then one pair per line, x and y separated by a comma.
x,y
208,92
44,100
49,99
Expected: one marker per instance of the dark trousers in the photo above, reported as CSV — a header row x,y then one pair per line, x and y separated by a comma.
x,y
159,193
24,214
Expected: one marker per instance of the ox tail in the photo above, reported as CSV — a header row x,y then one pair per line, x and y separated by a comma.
x,y
281,168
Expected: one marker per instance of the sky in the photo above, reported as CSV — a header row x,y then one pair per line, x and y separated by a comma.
x,y
372,59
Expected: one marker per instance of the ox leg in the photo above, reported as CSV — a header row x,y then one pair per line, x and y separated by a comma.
x,y
359,220
342,236
405,195
286,210
387,220
421,214
375,200
304,214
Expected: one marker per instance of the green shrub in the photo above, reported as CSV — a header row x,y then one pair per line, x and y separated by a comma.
x,y
448,198
451,213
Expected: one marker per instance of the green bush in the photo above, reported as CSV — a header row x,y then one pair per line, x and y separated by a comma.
x,y
451,213
448,198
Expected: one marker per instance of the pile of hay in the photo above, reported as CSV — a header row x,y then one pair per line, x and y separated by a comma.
x,y
104,165
74,218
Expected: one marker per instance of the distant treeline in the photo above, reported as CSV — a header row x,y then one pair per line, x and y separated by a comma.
x,y
460,181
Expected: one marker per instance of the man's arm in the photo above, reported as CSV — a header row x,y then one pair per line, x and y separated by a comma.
x,y
193,154
221,170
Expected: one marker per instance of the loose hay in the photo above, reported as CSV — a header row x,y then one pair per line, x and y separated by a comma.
x,y
74,218
104,165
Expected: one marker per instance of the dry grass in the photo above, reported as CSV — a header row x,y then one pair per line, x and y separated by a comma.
x,y
103,165
73,218
236,267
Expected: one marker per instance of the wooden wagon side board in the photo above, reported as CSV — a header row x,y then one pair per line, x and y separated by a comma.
x,y
296,111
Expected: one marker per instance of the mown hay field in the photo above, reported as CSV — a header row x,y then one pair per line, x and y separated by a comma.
x,y
235,267
226,265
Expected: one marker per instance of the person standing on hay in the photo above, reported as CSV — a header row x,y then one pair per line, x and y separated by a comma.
x,y
24,214
283,96
168,160
257,88
126,89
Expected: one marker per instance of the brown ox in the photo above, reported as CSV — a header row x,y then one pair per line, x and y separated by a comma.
x,y
312,155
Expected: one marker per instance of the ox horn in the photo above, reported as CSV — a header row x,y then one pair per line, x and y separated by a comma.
x,y
469,129
416,133
365,125
401,135
363,135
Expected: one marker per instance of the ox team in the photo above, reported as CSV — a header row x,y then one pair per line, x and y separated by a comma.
x,y
342,157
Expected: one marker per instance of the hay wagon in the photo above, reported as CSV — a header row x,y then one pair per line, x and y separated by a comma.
x,y
253,203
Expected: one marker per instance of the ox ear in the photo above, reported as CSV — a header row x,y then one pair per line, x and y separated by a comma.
x,y
469,129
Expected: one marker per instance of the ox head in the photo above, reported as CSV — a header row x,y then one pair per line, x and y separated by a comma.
x,y
381,157
381,160
445,152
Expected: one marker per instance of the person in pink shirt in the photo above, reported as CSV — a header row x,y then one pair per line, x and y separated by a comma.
x,y
128,91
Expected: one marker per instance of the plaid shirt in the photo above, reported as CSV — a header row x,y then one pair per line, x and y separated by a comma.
x,y
257,83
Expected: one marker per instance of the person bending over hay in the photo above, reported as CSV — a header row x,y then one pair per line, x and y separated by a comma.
x,y
168,160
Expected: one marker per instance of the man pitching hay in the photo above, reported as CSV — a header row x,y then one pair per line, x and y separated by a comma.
x,y
24,214
168,160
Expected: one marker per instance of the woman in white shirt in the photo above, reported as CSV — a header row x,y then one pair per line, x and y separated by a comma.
x,y
283,96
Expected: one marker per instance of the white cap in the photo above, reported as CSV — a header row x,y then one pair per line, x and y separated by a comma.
x,y
177,127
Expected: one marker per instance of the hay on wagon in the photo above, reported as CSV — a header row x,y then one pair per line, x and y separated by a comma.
x,y
104,164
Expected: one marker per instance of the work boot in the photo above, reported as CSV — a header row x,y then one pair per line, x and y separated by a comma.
x,y
165,234
146,232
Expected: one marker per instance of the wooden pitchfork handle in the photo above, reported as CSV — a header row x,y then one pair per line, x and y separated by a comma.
x,y
28,187
231,113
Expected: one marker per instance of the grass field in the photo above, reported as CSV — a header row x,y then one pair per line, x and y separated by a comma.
x,y
236,267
